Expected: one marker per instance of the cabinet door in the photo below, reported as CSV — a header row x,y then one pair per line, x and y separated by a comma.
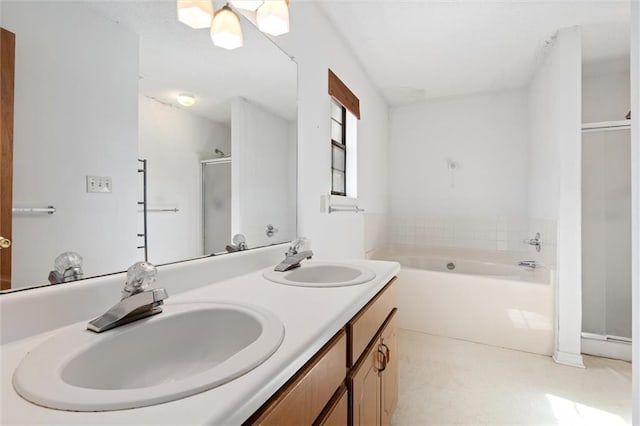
x,y
365,388
389,376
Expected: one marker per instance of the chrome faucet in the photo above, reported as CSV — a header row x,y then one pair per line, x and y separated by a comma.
x,y
137,301
293,257
528,264
67,267
239,244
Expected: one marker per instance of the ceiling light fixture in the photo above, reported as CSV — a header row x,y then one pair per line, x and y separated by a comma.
x,y
225,29
273,17
186,99
250,5
195,13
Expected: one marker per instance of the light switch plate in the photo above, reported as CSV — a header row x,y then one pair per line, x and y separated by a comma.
x,y
100,184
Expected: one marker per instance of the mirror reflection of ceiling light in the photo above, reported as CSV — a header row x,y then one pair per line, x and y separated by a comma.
x,y
273,17
250,5
195,13
225,29
186,99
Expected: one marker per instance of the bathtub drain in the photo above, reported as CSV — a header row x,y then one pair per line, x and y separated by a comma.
x,y
451,266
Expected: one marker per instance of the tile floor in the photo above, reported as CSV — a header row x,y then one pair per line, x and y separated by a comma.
x,y
452,382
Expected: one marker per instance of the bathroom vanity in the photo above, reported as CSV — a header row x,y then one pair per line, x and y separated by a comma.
x,y
361,355
337,363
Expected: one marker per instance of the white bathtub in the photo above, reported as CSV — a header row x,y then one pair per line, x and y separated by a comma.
x,y
474,295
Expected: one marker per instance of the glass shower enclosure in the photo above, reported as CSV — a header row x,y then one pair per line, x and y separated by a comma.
x,y
216,204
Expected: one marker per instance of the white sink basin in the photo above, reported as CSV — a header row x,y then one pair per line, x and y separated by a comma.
x,y
316,274
187,349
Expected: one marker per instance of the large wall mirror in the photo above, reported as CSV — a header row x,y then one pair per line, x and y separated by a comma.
x,y
107,162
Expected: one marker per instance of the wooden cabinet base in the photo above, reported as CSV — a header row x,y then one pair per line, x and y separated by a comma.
x,y
326,392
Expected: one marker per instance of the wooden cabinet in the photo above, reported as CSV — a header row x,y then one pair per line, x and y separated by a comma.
x,y
364,384
337,411
301,400
374,379
352,380
364,326
389,375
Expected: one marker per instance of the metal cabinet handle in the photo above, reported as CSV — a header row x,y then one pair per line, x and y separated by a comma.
x,y
383,356
387,354
5,243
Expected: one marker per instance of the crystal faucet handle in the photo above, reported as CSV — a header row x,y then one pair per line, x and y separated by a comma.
x,y
139,277
67,260
297,244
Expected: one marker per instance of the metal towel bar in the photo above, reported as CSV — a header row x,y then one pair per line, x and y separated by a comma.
x,y
48,209
353,209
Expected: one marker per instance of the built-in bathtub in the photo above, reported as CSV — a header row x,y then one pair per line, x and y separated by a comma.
x,y
480,296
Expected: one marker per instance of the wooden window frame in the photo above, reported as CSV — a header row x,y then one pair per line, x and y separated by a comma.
x,y
342,146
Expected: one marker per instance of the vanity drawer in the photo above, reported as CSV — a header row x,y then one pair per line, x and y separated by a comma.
x,y
365,325
301,400
336,413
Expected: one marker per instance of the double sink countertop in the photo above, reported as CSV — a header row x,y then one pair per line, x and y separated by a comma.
x,y
311,316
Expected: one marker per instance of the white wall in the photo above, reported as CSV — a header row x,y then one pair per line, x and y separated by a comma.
x,y
174,141
261,186
606,90
486,135
554,183
316,47
66,127
635,200
482,204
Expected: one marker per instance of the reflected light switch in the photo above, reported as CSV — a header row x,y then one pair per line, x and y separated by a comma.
x,y
99,184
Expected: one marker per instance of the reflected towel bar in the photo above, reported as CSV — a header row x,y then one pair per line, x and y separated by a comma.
x,y
354,209
167,209
48,209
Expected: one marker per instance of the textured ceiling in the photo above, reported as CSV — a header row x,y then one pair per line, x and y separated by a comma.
x,y
175,58
418,50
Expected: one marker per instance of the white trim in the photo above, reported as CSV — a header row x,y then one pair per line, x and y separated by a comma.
x,y
609,337
606,125
566,358
635,201
607,348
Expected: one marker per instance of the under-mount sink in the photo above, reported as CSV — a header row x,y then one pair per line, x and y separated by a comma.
x,y
187,349
317,274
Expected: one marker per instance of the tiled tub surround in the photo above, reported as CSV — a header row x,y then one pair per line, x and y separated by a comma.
x,y
311,317
471,232
487,298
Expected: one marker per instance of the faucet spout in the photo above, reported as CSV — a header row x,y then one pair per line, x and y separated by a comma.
x,y
137,301
293,261
133,308
528,264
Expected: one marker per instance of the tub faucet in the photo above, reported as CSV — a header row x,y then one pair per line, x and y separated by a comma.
x,y
137,301
528,264
293,257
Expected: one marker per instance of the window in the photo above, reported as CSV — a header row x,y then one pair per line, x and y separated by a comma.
x,y
345,111
338,149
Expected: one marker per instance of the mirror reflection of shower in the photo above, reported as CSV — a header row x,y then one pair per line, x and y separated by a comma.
x,y
216,202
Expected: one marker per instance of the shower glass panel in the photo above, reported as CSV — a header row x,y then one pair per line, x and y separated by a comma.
x,y
606,233
216,204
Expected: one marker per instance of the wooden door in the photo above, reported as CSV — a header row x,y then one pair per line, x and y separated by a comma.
x,y
365,390
7,73
389,376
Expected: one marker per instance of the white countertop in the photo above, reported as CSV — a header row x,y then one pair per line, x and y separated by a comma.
x,y
311,316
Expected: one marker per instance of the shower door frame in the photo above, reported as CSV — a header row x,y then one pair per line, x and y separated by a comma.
x,y
203,164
